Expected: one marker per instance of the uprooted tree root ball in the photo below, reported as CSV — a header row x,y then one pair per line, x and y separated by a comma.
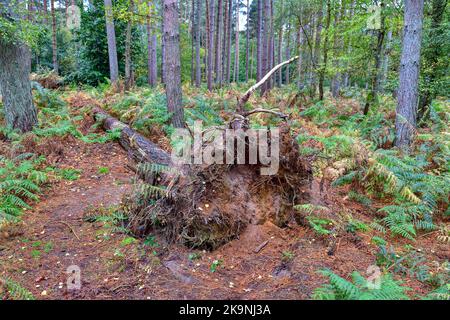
x,y
209,205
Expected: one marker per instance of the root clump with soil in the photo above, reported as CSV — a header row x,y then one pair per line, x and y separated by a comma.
x,y
207,206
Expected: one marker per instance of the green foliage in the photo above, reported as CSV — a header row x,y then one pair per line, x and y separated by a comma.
x,y
70,174
12,290
360,289
20,178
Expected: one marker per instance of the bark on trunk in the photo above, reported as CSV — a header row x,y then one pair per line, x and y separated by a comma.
x,y
323,68
247,43
139,148
151,51
15,88
54,43
198,66
236,46
405,123
218,60
259,42
171,35
128,62
210,6
372,95
112,49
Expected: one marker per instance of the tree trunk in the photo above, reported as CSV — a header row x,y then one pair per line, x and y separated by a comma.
x,y
386,54
15,88
265,43
259,42
317,46
288,54
128,62
112,49
171,35
372,95
300,59
405,123
45,10
210,6
152,63
323,67
247,43
236,45
218,61
198,66
54,43
139,148
229,33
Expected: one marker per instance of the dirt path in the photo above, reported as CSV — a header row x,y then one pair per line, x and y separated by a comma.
x,y
267,262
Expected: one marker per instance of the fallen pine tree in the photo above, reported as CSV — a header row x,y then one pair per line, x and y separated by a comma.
x,y
207,205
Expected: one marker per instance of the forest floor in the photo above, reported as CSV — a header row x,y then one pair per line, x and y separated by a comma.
x,y
265,262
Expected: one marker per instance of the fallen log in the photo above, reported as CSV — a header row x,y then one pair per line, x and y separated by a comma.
x,y
138,147
206,206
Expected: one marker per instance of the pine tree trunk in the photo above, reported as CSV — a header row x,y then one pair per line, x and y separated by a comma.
x,y
224,43
218,51
198,66
372,95
112,48
259,42
210,6
15,88
247,43
229,32
54,43
265,43
128,62
151,52
171,36
323,68
236,45
288,54
317,47
405,123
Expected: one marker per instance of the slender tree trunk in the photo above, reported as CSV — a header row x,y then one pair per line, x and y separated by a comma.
x,y
218,50
252,61
247,43
386,54
405,123
288,54
346,77
323,68
15,88
112,49
198,66
300,60
163,49
259,41
54,43
224,43
317,47
45,10
210,5
151,51
128,61
266,43
372,95
337,43
171,37
229,32
236,46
